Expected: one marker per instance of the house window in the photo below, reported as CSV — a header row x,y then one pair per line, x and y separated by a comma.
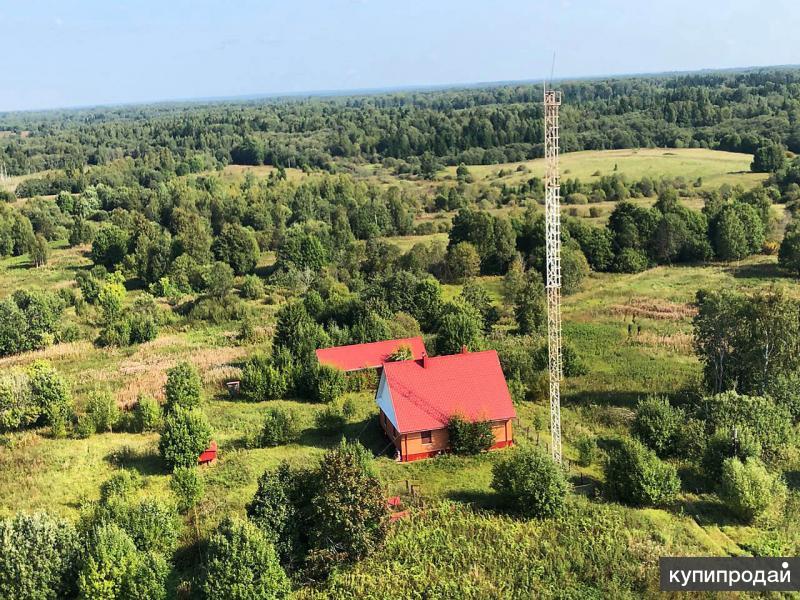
x,y
426,437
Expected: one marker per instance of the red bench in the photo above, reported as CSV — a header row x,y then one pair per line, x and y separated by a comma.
x,y
208,455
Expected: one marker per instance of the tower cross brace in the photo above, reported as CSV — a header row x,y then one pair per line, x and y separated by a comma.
x,y
552,182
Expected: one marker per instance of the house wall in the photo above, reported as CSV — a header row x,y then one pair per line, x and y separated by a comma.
x,y
413,448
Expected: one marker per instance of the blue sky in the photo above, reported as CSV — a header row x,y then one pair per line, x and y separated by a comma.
x,y
77,53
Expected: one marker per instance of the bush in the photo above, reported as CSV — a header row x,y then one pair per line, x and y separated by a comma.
x,y
115,333
103,410
186,433
183,387
261,380
17,406
469,438
119,487
143,328
330,420
283,495
348,511
748,489
252,287
280,427
456,330
51,392
152,525
114,568
657,425
146,414
630,261
530,482
241,564
690,440
329,383
38,556
724,444
635,475
586,446
188,487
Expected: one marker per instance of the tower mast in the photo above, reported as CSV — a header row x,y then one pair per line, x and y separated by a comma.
x,y
552,183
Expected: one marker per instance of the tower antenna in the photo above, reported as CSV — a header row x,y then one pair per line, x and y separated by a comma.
x,y
552,183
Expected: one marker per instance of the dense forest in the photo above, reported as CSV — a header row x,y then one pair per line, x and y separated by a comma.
x,y
736,111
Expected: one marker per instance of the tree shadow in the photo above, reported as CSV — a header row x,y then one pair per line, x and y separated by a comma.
x,y
757,271
586,485
625,399
706,511
145,463
792,480
480,499
367,432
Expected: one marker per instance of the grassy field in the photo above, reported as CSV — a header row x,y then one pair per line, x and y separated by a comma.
x,y
715,167
41,473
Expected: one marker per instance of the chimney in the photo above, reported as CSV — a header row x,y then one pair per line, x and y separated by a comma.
x,y
424,360
464,350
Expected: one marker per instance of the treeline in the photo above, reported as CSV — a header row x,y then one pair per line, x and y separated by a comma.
x,y
736,111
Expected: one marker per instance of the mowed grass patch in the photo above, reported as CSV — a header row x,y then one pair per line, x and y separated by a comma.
x,y
715,167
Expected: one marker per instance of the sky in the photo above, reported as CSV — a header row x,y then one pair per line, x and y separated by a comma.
x,y
95,52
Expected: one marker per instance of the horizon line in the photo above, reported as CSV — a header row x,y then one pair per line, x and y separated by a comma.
x,y
374,91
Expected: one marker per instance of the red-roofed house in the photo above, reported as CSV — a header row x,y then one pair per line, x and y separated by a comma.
x,y
417,398
367,356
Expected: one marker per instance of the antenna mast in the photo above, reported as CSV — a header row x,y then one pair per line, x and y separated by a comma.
x,y
552,183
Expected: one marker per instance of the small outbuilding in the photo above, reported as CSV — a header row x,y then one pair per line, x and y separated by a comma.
x,y
417,398
358,357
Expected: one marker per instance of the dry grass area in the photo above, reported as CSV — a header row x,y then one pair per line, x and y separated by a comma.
x,y
654,309
677,342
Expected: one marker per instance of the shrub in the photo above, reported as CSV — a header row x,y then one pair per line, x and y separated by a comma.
x,y
261,380
330,420
152,526
119,486
657,425
402,352
456,330
724,444
530,482
85,426
51,392
115,333
469,438
38,556
186,433
283,495
188,487
183,387
252,287
586,446
17,406
349,408
769,422
280,427
635,475
690,439
143,328
630,260
329,383
103,410
748,489
348,511
146,414
114,568
241,564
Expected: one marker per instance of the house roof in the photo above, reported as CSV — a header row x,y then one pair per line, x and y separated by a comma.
x,y
426,393
367,356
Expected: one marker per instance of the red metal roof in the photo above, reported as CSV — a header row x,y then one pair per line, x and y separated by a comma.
x,y
367,356
426,393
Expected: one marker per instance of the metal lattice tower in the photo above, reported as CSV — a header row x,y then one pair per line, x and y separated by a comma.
x,y
552,183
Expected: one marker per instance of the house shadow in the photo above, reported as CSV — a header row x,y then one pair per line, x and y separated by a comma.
x,y
144,463
366,431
